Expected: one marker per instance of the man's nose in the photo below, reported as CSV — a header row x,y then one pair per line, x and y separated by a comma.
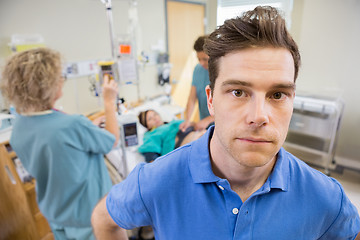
x,y
258,111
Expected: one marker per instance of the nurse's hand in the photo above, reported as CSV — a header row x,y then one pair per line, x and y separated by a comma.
x,y
110,90
204,123
201,125
183,126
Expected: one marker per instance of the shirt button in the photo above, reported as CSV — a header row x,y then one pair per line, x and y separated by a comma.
x,y
235,211
221,187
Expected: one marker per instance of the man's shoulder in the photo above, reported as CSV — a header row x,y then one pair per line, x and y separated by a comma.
x,y
321,197
166,176
172,164
307,178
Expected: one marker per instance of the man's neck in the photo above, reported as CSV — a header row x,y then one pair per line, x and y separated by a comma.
x,y
250,181
243,180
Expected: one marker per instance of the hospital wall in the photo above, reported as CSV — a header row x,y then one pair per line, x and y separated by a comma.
x,y
80,31
327,32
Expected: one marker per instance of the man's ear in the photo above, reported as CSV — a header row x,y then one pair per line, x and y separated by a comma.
x,y
209,100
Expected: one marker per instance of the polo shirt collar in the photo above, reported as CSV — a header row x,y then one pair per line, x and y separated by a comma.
x,y
199,160
201,170
280,175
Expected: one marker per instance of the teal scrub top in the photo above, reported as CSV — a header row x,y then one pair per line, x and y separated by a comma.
x,y
64,153
200,81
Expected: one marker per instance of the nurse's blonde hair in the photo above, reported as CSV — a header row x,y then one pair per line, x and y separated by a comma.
x,y
31,79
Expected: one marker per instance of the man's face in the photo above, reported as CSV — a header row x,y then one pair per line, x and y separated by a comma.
x,y
203,59
252,104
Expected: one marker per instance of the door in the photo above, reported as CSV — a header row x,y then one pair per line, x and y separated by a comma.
x,y
185,23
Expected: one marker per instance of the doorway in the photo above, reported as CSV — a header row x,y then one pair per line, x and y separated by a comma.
x,y
185,23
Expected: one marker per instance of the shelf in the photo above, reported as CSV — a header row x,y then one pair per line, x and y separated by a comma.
x,y
306,149
311,156
37,223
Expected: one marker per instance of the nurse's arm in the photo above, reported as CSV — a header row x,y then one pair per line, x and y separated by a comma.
x,y
110,91
189,109
104,226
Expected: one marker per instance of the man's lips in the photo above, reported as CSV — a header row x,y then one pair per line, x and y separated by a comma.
x,y
254,140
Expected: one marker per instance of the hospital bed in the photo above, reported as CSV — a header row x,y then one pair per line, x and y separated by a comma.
x,y
125,157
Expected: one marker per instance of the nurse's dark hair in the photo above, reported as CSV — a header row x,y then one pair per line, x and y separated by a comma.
x,y
262,27
199,43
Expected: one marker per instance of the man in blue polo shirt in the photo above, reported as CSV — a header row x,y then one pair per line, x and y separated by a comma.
x,y
236,182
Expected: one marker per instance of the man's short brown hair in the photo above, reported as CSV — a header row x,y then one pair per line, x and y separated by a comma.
x,y
261,27
31,79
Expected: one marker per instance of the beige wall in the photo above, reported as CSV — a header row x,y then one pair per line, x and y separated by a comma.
x,y
79,30
328,34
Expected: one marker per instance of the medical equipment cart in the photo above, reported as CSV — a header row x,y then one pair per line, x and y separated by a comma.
x,y
313,130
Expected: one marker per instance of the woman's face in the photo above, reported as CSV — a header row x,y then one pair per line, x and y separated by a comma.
x,y
153,119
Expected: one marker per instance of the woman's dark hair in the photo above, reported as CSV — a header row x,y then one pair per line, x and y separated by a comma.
x,y
142,118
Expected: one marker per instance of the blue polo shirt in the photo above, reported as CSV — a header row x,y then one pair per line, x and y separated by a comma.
x,y
181,198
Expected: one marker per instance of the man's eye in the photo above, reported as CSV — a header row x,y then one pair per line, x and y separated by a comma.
x,y
238,93
278,95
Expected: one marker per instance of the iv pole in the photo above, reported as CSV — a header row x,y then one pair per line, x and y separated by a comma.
x,y
113,54
111,27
